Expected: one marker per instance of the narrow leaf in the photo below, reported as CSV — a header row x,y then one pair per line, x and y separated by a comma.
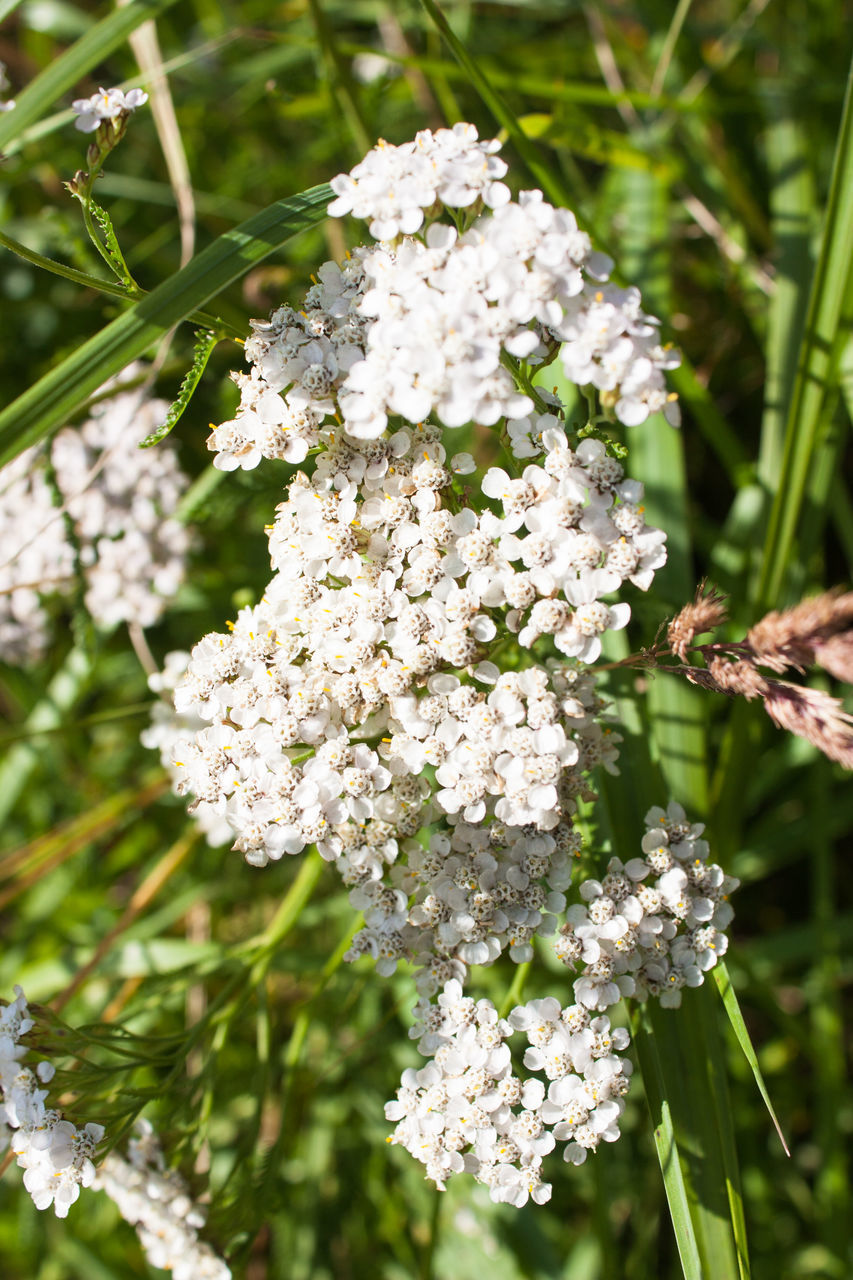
x,y
205,342
819,350
54,398
667,1149
732,1007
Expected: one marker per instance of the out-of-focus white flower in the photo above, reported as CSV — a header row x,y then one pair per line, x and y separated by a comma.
x,y
121,501
370,67
157,1203
9,104
106,104
55,1155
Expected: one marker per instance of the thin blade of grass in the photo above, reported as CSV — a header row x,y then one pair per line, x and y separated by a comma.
x,y
732,1008
697,1153
66,71
819,347
792,207
677,1197
54,398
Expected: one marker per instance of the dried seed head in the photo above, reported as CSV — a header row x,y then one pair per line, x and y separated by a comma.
x,y
818,630
704,613
738,677
813,715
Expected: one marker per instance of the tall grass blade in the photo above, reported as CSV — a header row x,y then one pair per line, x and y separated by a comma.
x,y
54,398
688,1074
818,350
675,1186
732,1008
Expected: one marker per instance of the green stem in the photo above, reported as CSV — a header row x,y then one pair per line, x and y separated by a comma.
x,y
513,996
134,294
69,273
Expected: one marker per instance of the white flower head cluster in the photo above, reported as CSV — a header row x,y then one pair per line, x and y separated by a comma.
x,y
467,1111
653,925
120,503
106,104
55,1155
392,187
31,567
167,728
157,1202
9,104
420,326
386,586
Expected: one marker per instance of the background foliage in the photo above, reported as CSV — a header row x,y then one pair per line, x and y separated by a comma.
x,y
697,144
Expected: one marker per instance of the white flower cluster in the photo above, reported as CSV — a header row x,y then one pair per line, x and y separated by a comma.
x,y
422,323
393,186
339,686
120,504
357,701
9,104
157,1202
466,1110
479,888
167,728
106,104
654,924
31,567
55,1155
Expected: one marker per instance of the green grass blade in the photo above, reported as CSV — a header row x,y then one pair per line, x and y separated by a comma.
x,y
677,1197
677,711
732,1008
693,1123
792,206
66,71
691,1075
50,402
817,351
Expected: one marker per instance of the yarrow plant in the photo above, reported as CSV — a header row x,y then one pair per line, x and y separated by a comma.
x,y
415,692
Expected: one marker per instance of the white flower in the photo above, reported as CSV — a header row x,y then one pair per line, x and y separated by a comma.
x,y
467,1101
157,1203
4,85
653,925
55,1155
106,104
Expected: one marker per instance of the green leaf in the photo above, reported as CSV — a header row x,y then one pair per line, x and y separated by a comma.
x,y
54,398
732,1007
66,71
683,1066
666,1144
205,342
111,244
819,353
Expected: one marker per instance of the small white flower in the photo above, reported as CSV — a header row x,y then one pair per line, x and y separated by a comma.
x,y
106,104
